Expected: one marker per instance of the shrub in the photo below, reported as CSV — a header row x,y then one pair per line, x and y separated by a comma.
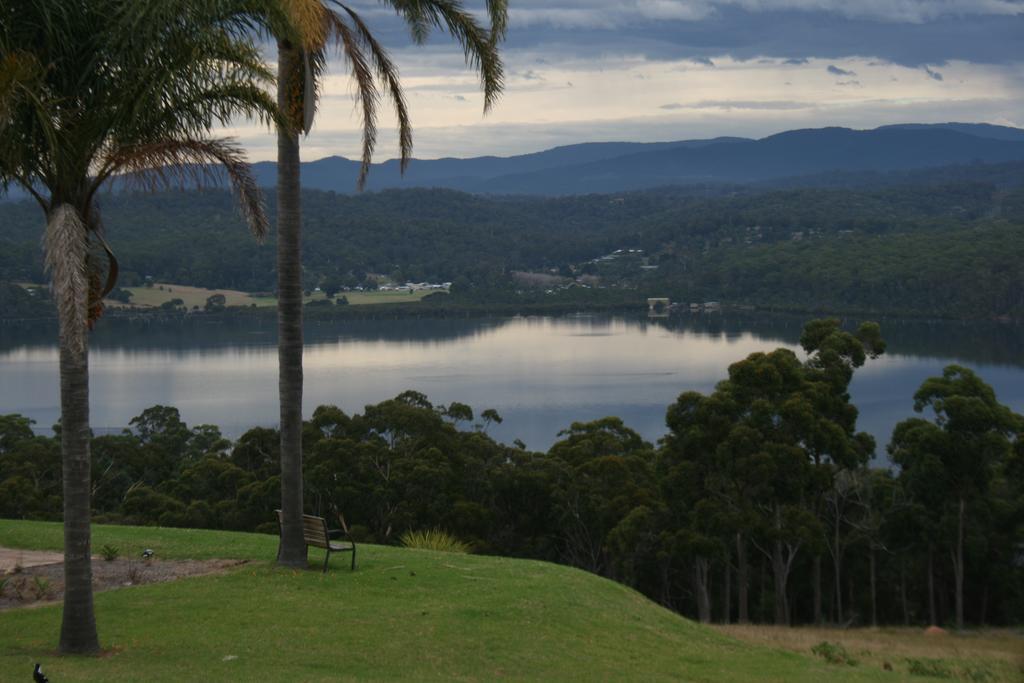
x,y
434,539
938,668
833,653
41,587
109,552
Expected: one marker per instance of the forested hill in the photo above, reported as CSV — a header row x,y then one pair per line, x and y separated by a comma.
x,y
948,250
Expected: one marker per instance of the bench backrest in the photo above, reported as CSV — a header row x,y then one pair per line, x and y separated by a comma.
x,y
314,530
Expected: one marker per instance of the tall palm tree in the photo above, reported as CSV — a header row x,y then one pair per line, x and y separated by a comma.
x,y
90,91
299,75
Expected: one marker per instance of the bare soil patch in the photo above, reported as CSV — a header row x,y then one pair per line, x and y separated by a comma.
x,y
30,586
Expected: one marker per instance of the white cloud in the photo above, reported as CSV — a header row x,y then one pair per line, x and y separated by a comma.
x,y
602,99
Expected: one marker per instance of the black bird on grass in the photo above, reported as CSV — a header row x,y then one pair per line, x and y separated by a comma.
x,y
38,676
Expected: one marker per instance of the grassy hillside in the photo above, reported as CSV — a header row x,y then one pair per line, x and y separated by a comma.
x,y
407,614
403,614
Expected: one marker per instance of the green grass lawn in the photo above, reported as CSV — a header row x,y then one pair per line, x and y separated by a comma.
x,y
403,614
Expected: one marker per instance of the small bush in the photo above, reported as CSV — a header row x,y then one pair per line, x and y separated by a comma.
x,y
833,653
434,539
3,586
109,552
938,668
41,587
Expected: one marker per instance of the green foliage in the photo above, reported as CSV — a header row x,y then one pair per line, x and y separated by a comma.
x,y
933,668
121,295
41,587
434,539
109,552
833,653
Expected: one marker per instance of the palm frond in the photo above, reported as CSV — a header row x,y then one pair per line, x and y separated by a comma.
x,y
366,94
387,74
65,245
170,163
479,45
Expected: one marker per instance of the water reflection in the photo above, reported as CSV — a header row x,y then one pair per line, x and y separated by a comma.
x,y
540,374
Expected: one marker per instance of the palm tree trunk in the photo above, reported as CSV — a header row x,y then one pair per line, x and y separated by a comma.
x,y
78,625
292,551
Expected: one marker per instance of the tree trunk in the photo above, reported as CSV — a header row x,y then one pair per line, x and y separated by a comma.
x,y
932,621
701,569
780,574
292,551
742,580
726,591
78,625
958,568
903,592
874,588
837,567
817,589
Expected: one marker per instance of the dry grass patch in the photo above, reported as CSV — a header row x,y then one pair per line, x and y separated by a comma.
x,y
989,654
161,292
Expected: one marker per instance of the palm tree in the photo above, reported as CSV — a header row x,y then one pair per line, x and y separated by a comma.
x,y
89,92
299,72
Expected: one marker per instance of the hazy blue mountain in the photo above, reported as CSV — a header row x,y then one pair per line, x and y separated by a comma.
x,y
794,153
339,174
813,157
617,166
981,130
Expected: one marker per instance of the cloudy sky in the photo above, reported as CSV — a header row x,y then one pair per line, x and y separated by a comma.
x,y
651,70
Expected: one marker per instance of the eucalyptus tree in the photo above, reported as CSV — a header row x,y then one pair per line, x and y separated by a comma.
x,y
93,92
950,463
300,75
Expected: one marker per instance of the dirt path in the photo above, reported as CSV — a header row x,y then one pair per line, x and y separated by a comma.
x,y
31,578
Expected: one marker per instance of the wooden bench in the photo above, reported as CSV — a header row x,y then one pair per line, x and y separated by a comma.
x,y
316,534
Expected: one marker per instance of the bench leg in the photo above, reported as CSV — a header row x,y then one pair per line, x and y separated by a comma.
x,y
353,559
327,556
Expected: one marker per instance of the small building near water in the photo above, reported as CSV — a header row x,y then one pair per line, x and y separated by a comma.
x,y
658,307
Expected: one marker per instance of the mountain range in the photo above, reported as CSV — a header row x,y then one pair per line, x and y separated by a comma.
x,y
889,155
623,166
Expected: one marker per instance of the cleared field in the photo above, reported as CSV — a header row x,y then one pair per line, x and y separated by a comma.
x,y
162,292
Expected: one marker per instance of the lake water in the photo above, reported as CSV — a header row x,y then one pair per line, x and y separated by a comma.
x,y
540,374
